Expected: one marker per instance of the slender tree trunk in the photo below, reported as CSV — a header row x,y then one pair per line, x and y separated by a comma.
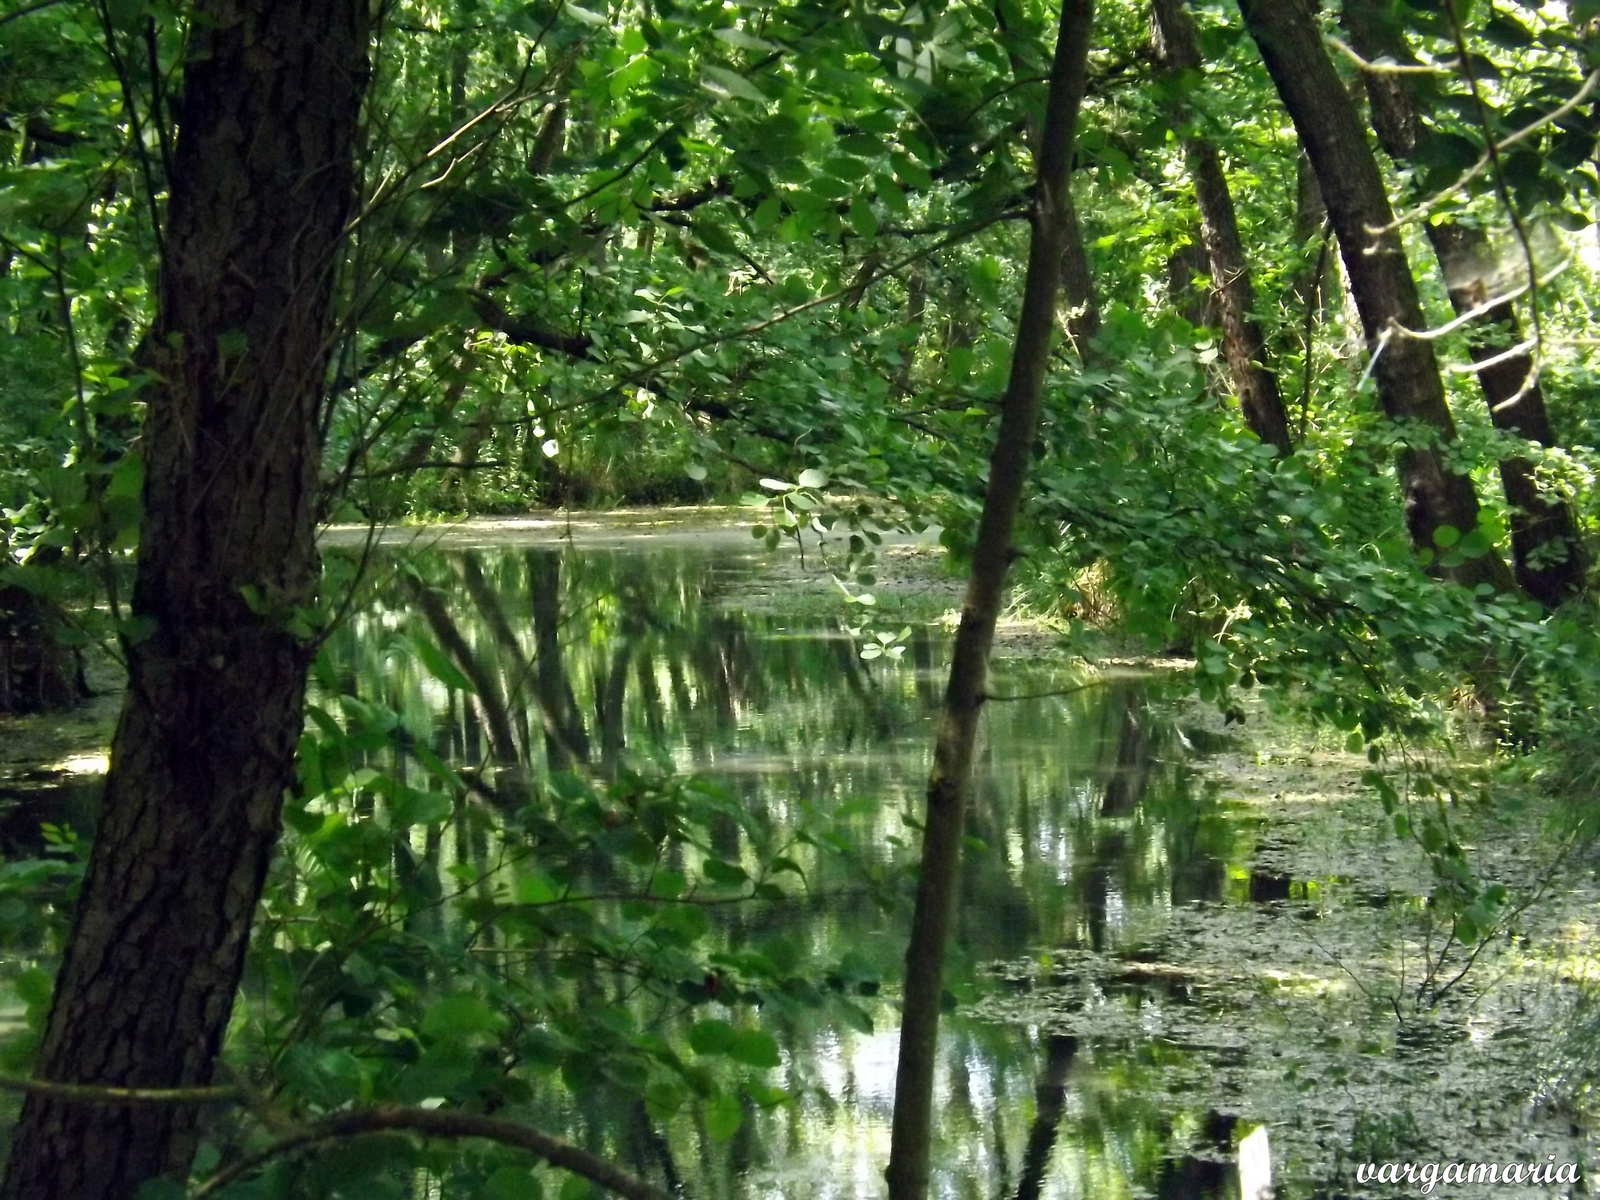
x,y
1309,283
916,306
205,744
1259,398
1545,547
1082,317
1407,373
1008,467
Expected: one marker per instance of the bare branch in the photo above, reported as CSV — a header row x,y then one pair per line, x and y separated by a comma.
x,y
439,1123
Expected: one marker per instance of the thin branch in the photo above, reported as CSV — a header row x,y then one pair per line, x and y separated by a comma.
x,y
439,1123
1483,164
28,11
1488,306
644,373
991,698
1504,356
1388,68
93,1093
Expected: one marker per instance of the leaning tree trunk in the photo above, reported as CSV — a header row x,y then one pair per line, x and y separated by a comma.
x,y
1546,550
952,763
1407,373
205,744
1259,398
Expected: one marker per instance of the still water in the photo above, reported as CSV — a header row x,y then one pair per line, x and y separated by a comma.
x,y
1088,829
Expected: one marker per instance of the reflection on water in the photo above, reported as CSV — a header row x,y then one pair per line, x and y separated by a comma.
x,y
1084,831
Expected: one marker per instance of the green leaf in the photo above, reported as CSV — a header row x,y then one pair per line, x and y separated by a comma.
x,y
862,219
712,1037
462,1015
439,665
854,1015
754,1048
668,885
1446,536
716,238
664,1097
722,82
512,1183
724,873
724,1115
536,888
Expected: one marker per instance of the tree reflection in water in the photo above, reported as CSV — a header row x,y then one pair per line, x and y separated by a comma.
x,y
1083,827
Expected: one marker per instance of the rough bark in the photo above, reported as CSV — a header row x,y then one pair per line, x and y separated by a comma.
x,y
1405,369
1260,401
205,744
1008,467
1546,550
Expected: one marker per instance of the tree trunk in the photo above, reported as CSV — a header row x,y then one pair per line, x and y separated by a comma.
x,y
1545,547
1082,317
1259,398
205,744
1008,467
1407,373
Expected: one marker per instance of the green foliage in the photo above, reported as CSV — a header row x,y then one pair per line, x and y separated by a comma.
x,y
420,945
692,252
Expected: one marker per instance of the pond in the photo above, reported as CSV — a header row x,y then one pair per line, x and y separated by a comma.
x,y
1146,967
1185,962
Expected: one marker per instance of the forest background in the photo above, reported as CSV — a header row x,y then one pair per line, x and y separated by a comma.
x,y
1318,412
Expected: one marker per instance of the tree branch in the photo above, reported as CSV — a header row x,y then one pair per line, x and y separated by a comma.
x,y
438,1123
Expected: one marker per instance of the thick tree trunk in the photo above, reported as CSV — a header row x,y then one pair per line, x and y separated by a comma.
x,y
1545,547
1407,373
1008,467
205,745
1259,398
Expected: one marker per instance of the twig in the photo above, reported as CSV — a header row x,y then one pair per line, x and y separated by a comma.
x,y
30,9
989,697
1388,68
94,1093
